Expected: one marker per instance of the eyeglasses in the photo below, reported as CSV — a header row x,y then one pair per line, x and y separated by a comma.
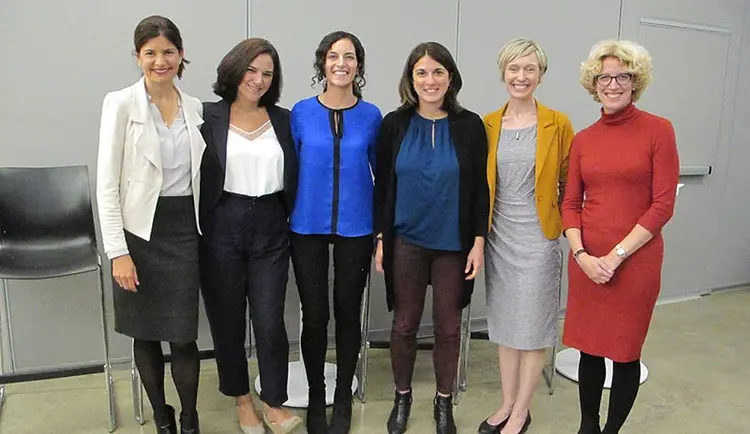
x,y
622,79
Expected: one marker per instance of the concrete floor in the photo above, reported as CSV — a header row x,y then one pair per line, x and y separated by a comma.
x,y
698,354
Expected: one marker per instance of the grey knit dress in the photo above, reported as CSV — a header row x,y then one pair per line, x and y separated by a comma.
x,y
522,266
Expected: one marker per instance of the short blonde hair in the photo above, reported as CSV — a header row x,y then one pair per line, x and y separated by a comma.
x,y
632,55
518,48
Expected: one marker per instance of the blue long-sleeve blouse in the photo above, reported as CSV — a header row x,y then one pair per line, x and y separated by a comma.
x,y
336,152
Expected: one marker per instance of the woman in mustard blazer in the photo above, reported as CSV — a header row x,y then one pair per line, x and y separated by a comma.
x,y
528,147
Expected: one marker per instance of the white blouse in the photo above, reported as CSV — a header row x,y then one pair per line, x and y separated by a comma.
x,y
174,142
255,161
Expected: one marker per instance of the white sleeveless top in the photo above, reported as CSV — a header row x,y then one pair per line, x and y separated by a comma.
x,y
255,161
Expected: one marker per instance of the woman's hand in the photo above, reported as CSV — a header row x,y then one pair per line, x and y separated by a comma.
x,y
611,261
123,270
379,256
595,268
475,259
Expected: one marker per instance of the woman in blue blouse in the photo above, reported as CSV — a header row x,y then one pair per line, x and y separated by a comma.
x,y
334,134
432,204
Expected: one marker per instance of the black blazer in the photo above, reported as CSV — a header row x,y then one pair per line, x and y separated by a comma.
x,y
213,167
470,140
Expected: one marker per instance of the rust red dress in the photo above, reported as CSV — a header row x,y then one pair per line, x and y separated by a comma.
x,y
623,171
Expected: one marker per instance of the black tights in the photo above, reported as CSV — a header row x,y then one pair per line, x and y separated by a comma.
x,y
625,383
185,363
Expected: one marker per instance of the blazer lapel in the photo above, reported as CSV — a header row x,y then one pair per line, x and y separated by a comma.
x,y
219,120
545,136
494,123
146,139
193,121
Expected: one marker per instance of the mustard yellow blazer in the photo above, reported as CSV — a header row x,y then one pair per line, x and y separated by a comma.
x,y
554,136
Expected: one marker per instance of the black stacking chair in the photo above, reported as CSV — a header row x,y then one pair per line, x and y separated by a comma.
x,y
47,231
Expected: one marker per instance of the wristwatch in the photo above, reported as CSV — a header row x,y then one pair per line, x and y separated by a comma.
x,y
578,253
620,251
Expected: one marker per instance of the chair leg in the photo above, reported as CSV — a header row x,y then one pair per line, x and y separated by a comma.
x,y
365,345
137,389
463,354
550,377
107,360
2,367
465,349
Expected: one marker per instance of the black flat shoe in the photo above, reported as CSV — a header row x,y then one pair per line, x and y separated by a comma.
x,y
443,413
169,424
526,424
487,428
399,413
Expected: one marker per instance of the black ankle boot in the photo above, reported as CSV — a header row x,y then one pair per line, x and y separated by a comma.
x,y
316,413
400,413
166,423
341,417
444,423
590,428
189,423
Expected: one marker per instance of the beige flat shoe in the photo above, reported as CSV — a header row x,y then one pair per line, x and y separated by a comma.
x,y
251,429
284,427
255,429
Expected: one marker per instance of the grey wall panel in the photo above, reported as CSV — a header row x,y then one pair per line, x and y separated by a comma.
x,y
565,33
733,211
69,54
696,48
386,28
387,31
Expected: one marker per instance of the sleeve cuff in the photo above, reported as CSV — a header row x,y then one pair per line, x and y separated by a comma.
x,y
117,253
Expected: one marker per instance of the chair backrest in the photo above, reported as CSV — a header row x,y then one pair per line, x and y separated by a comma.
x,y
45,205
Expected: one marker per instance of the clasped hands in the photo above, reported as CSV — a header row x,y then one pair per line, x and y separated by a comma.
x,y
599,270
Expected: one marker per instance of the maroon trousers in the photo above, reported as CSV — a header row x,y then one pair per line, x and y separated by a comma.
x,y
413,268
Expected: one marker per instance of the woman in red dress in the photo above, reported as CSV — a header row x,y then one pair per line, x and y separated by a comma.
x,y
621,190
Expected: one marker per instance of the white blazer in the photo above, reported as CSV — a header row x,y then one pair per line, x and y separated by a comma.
x,y
129,168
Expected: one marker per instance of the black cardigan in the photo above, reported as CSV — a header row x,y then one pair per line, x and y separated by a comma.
x,y
213,167
470,140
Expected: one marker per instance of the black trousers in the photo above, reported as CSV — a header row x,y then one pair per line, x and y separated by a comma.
x,y
625,384
351,262
244,258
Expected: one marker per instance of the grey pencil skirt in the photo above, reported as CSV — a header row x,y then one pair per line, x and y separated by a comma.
x,y
165,306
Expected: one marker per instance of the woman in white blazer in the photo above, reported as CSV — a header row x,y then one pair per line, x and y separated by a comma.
x,y
148,178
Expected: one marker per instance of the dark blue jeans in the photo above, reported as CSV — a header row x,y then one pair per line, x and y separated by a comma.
x,y
244,260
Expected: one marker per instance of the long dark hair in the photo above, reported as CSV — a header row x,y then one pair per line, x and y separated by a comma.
x,y
441,55
322,51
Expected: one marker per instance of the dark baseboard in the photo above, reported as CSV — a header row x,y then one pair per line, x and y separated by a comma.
x,y
73,372
384,344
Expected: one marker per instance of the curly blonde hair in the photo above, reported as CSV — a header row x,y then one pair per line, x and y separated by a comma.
x,y
634,56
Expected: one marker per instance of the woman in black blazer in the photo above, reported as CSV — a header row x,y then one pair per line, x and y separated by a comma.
x,y
249,183
432,203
